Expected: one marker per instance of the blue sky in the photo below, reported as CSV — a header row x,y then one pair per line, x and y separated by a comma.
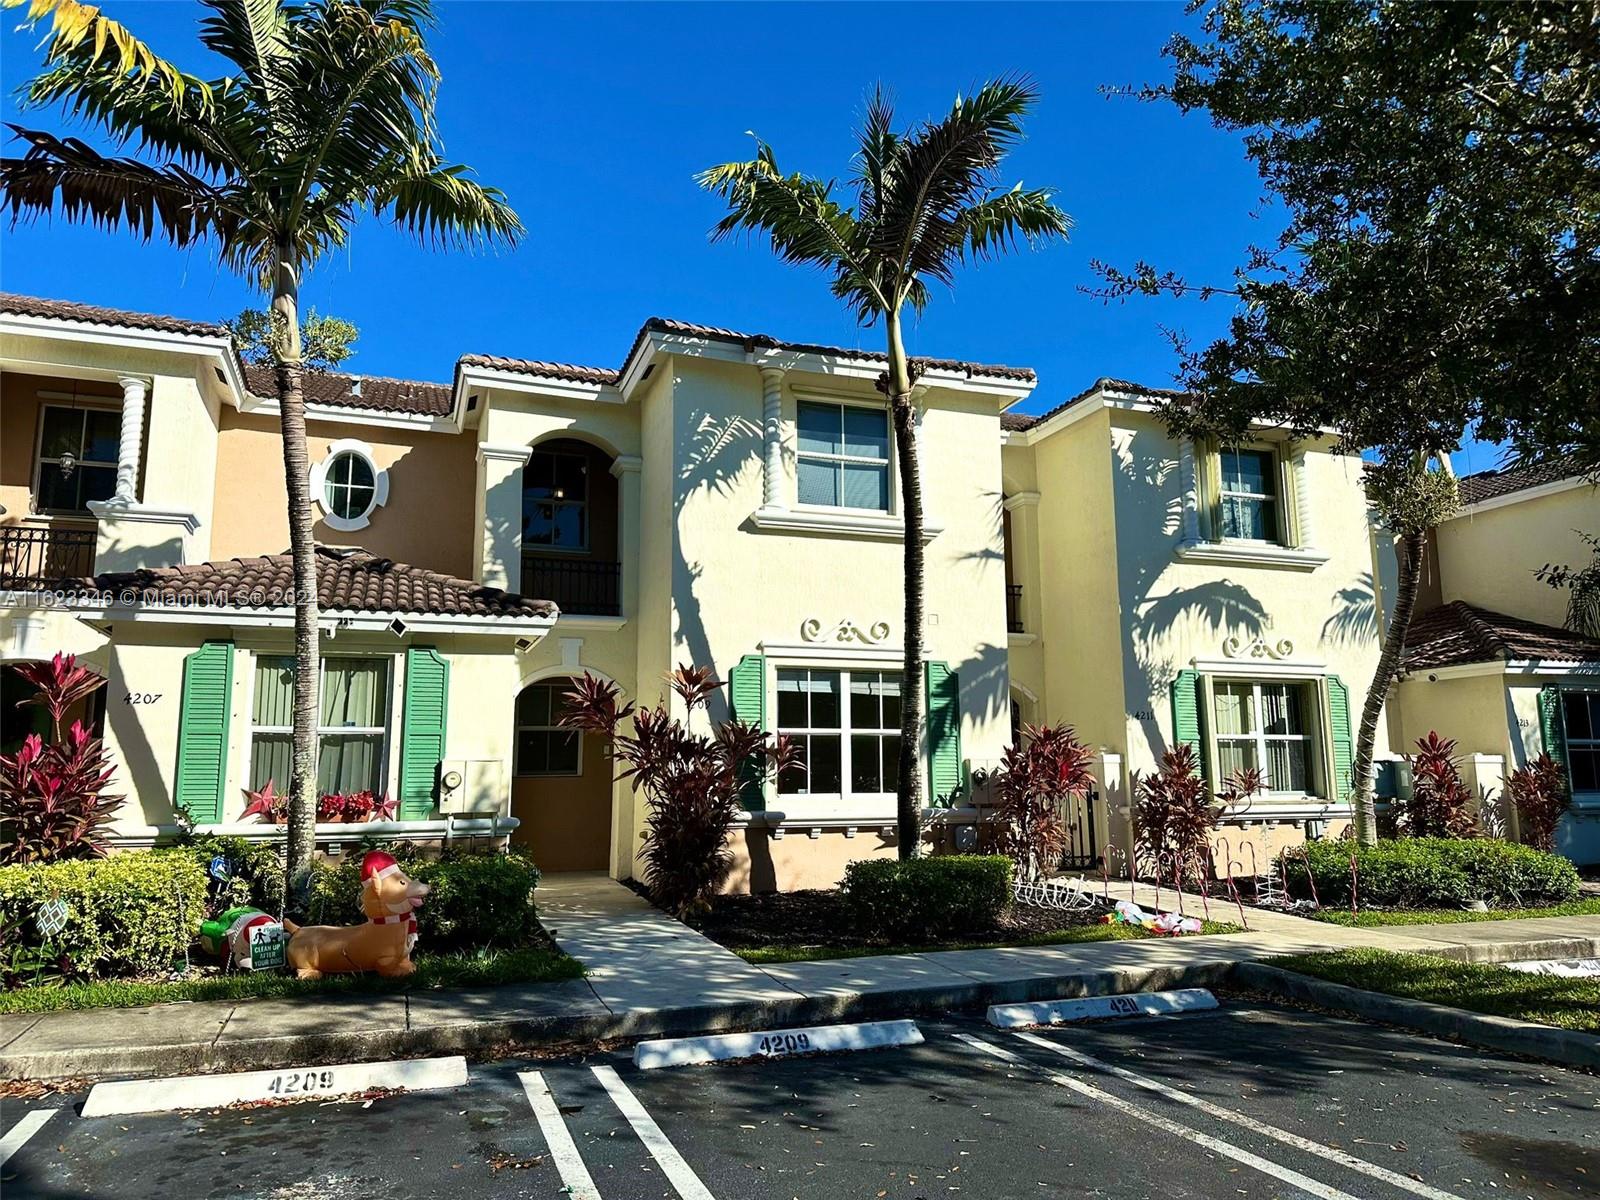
x,y
594,119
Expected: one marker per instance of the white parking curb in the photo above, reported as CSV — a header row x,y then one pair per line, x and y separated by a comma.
x,y
1091,1008
775,1043
319,1083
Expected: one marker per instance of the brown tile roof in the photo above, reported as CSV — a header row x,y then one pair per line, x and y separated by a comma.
x,y
1486,485
347,581
1459,633
1021,421
377,394
547,370
89,314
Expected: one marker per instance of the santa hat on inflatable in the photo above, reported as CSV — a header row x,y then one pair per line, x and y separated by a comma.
x,y
377,864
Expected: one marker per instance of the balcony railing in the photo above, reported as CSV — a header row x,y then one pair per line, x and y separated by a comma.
x,y
1014,607
581,586
31,555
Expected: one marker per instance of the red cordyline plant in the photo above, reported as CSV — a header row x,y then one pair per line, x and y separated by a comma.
x,y
1441,802
691,782
1538,789
1174,812
1033,786
53,804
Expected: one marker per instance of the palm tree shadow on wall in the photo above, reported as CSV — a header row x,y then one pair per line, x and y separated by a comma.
x,y
1355,615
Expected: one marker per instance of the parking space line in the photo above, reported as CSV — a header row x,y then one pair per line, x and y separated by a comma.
x,y
1393,1178
24,1129
563,1151
1226,1149
677,1171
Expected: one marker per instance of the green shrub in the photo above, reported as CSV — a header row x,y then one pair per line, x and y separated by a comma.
x,y
255,871
947,895
1433,873
127,914
478,900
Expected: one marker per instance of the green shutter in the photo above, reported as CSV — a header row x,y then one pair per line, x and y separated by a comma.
x,y
1553,728
203,732
747,698
427,700
1186,706
1339,728
944,733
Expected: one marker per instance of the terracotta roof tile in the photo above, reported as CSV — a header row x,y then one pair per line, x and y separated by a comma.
x,y
1459,633
1486,485
347,581
1020,421
90,314
377,393
547,370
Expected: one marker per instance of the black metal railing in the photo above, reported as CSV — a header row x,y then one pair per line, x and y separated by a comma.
x,y
580,586
38,554
1014,607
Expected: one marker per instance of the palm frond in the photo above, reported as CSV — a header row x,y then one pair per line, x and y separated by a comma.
x,y
254,36
70,177
446,207
877,152
997,225
78,32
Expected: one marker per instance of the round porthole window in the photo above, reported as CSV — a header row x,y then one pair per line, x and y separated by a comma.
x,y
348,485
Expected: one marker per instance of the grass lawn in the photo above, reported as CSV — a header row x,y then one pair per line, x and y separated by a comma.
x,y
1452,916
1572,1003
531,964
1057,937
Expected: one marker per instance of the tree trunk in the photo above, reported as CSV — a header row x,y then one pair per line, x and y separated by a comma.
x,y
1365,810
903,413
302,831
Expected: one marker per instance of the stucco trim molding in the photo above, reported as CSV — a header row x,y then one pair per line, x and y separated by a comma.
x,y
319,483
110,510
1252,668
831,523
828,652
1238,554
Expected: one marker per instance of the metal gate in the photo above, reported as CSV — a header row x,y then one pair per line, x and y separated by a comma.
x,y
1083,848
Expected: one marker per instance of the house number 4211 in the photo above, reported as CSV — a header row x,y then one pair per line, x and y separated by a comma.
x,y
140,697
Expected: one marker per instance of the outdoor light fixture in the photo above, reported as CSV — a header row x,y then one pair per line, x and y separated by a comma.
x,y
524,645
66,464
397,627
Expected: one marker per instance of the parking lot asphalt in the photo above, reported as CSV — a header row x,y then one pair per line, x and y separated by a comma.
x,y
1252,1100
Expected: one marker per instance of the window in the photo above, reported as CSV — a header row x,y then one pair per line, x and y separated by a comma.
x,y
350,728
77,458
555,500
847,727
349,485
1263,725
1249,496
842,456
1582,712
543,747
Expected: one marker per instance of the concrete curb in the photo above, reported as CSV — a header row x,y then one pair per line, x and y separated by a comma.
x,y
1565,1046
1500,952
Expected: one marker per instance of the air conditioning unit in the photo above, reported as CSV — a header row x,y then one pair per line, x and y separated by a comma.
x,y
472,787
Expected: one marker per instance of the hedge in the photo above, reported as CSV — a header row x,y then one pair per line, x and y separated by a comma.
x,y
946,895
478,900
126,914
1420,873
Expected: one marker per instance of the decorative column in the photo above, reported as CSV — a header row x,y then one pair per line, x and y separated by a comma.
x,y
131,442
498,554
626,469
1189,481
772,436
1304,537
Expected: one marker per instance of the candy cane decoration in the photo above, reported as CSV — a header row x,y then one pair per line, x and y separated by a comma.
x,y
1234,888
1355,903
1209,867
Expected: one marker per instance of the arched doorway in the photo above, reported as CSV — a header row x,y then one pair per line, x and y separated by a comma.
x,y
561,788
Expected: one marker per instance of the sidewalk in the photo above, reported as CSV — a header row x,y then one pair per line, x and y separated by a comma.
x,y
650,975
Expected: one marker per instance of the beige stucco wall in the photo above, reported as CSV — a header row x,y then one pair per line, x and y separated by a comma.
x,y
1474,710
1489,557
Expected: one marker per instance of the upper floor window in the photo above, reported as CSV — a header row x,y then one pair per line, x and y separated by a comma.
x,y
1248,496
847,727
555,500
77,459
1582,712
349,485
842,456
1263,725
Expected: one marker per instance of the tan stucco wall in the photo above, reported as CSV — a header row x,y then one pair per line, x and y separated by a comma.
x,y
428,518
1473,710
1489,558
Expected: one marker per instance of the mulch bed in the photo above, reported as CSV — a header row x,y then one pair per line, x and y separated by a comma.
x,y
817,918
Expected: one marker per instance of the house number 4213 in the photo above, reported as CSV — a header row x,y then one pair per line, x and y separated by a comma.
x,y
140,697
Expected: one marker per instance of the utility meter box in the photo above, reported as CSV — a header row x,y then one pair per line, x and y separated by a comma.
x,y
472,787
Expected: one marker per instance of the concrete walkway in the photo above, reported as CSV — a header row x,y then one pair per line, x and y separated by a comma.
x,y
649,975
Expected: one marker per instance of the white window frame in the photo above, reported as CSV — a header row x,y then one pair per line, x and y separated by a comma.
x,y
844,798
1275,498
319,484
40,461
382,732
586,504
1310,700
516,745
1588,743
887,462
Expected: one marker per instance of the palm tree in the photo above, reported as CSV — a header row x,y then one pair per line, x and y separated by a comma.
x,y
925,202
327,114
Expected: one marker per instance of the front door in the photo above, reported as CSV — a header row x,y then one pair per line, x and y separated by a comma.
x,y
562,790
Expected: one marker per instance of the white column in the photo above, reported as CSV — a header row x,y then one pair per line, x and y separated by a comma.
x,y
772,436
1189,481
626,469
131,441
1302,498
499,551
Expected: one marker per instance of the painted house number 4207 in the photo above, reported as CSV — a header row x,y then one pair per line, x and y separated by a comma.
x,y
140,697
